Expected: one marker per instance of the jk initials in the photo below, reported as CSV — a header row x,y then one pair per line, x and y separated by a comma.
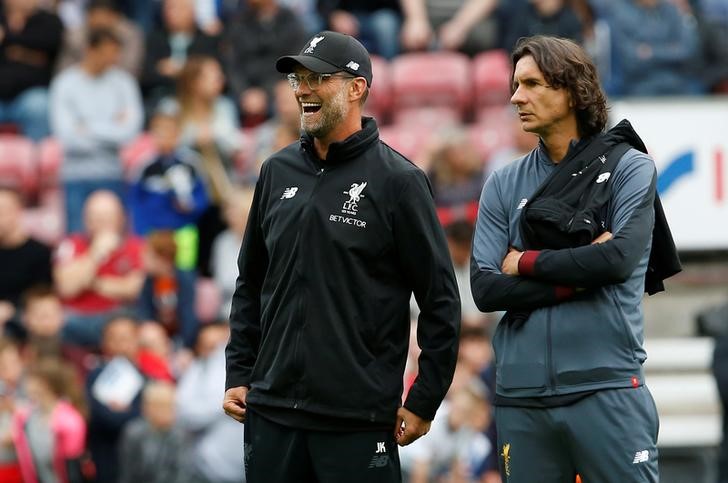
x,y
381,448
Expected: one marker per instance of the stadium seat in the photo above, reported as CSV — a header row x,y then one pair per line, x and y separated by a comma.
x,y
407,139
208,298
18,167
137,152
380,96
432,79
427,116
491,78
50,159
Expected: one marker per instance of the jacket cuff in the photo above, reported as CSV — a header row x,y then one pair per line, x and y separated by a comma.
x,y
421,410
563,293
527,262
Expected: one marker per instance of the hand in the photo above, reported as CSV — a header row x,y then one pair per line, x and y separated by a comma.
x,y
234,403
416,34
452,36
409,427
606,236
103,244
510,263
343,22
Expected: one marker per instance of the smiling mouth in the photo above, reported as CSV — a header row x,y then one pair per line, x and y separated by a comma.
x,y
310,107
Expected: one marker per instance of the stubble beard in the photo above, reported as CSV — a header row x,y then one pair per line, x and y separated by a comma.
x,y
331,114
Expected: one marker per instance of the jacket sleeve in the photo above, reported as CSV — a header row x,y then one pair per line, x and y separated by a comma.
x,y
242,349
425,259
492,289
632,218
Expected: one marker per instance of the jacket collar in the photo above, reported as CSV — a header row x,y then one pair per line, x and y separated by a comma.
x,y
348,149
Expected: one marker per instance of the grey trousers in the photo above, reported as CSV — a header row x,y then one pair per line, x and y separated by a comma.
x,y
607,437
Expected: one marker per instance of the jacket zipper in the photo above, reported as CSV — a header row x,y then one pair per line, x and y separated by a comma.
x,y
298,391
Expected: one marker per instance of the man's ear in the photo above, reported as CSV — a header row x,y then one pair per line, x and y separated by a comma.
x,y
357,88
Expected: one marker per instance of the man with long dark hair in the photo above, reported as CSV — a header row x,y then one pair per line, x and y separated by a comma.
x,y
563,242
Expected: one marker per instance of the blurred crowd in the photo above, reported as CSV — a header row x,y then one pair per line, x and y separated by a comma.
x,y
160,113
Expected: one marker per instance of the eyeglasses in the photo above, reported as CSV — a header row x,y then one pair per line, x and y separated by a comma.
x,y
313,79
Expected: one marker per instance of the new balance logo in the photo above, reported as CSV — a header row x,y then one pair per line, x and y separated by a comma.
x,y
352,65
641,457
289,193
378,461
603,177
381,448
522,203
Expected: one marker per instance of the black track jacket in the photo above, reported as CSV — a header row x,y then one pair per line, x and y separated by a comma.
x,y
331,254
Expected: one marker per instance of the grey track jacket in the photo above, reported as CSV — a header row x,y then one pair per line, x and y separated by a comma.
x,y
586,329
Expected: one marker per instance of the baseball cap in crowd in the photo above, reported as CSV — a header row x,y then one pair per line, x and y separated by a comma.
x,y
328,52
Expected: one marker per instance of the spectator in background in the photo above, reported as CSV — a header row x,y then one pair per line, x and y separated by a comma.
x,y
459,236
210,127
50,433
712,18
523,143
95,109
43,320
276,133
454,168
168,47
216,441
262,32
113,391
155,351
375,23
25,261
169,192
98,271
29,42
307,11
546,17
11,371
227,245
151,448
655,49
104,14
456,446
168,294
469,26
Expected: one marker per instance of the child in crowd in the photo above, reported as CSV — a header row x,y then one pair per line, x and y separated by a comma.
x,y
168,192
168,294
50,433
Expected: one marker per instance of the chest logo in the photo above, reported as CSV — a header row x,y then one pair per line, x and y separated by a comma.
x,y
289,193
351,206
603,177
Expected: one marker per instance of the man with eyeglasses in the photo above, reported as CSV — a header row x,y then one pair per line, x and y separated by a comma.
x,y
341,232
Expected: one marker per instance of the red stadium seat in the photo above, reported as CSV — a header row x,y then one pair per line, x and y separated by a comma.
x,y
427,116
492,78
18,167
380,95
407,139
137,152
50,159
208,298
432,79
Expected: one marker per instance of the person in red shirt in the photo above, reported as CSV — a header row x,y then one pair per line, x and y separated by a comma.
x,y
99,271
